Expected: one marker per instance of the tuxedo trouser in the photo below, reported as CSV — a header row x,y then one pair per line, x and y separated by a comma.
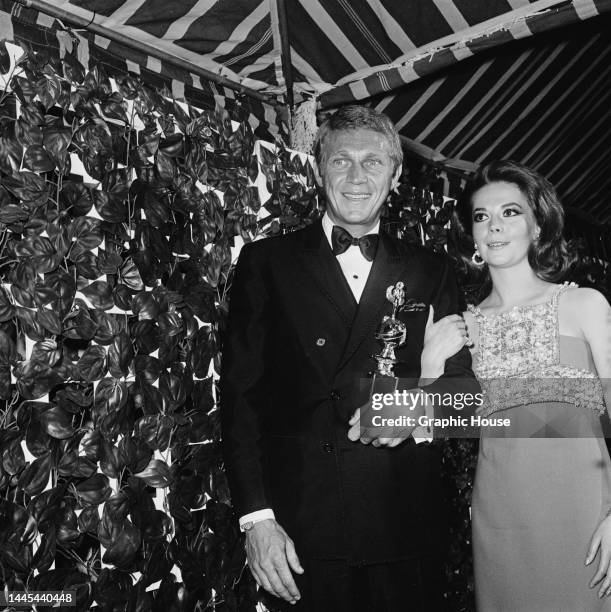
x,y
414,585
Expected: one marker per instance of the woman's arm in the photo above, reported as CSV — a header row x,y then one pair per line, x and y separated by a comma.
x,y
588,311
442,340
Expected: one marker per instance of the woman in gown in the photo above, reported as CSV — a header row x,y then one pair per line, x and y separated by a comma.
x,y
542,352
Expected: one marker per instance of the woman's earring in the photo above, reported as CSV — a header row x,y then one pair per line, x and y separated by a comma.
x,y
537,234
476,258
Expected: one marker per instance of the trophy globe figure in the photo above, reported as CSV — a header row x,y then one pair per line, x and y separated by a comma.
x,y
392,332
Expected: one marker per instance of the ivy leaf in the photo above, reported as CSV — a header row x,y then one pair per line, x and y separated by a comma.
x,y
120,355
30,188
111,395
35,477
56,140
87,265
17,557
35,379
67,524
134,453
41,251
155,430
36,159
124,547
49,320
110,460
155,210
88,520
147,367
156,474
5,59
93,491
92,365
172,146
155,525
13,459
110,207
112,588
78,325
107,327
29,321
86,232
48,89
43,295
145,306
11,213
57,423
113,108
170,324
108,263
46,352
130,276
118,506
149,398
76,198
173,389
73,69
166,167
64,286
205,346
145,335
99,293
6,308
45,555
90,444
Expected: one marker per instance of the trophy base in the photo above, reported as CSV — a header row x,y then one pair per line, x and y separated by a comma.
x,y
383,384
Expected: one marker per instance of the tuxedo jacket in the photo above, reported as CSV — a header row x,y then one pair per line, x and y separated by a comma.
x,y
296,349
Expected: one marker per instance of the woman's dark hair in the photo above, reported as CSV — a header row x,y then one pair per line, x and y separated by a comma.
x,y
548,255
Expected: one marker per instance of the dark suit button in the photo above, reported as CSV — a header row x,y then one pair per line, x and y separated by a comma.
x,y
327,447
334,395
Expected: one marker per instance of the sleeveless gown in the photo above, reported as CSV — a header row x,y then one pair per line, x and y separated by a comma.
x,y
542,484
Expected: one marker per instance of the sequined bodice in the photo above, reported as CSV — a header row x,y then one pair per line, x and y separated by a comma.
x,y
520,342
521,345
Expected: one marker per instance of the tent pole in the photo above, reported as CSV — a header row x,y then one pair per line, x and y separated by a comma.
x,y
285,53
80,22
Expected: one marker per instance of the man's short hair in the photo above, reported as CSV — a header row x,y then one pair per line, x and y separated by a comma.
x,y
354,117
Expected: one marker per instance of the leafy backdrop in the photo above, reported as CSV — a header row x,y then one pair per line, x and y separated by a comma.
x,y
121,211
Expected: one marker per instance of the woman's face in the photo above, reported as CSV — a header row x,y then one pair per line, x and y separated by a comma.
x,y
504,225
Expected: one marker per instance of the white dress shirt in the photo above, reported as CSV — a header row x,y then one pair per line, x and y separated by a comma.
x,y
354,266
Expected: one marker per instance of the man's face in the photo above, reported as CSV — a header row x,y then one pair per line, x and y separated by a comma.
x,y
357,173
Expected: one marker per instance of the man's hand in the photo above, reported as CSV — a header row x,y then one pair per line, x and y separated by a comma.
x,y
354,433
388,435
271,556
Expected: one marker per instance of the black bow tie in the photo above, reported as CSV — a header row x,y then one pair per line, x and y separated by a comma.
x,y
342,240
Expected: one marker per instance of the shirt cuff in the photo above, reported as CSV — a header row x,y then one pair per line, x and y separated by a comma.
x,y
255,517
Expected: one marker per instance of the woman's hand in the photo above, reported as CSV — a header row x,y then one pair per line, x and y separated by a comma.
x,y
441,340
601,543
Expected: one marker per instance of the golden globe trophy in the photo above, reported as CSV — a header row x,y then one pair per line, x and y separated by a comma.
x,y
392,333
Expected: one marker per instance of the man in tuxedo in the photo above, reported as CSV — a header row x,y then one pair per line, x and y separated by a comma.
x,y
330,523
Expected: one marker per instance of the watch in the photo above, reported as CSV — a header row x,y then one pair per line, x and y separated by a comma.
x,y
247,526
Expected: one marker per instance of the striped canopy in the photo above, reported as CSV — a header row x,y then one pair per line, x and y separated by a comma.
x,y
466,81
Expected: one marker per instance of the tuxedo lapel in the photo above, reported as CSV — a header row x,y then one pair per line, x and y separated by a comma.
x,y
388,268
319,262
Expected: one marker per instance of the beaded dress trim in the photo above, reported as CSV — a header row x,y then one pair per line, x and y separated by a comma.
x,y
518,360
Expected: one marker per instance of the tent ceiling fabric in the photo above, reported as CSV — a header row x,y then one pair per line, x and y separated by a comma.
x,y
543,101
450,73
